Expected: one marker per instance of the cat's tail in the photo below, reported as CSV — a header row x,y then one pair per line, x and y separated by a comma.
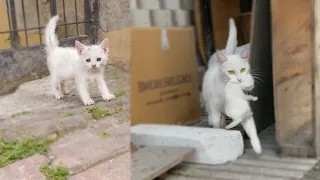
x,y
232,38
51,39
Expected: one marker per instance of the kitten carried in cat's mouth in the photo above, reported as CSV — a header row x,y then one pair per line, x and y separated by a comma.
x,y
81,63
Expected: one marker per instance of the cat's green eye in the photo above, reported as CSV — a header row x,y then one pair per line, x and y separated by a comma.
x,y
231,72
242,70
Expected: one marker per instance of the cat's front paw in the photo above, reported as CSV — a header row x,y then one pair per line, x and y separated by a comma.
x,y
58,95
254,98
88,102
108,97
66,92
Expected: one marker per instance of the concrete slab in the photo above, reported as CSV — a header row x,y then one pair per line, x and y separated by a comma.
x,y
114,169
84,149
27,169
213,146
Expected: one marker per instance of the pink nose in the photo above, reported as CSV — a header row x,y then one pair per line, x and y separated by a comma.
x,y
239,79
93,65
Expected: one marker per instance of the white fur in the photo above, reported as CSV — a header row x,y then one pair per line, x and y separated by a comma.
x,y
214,88
65,63
216,77
238,108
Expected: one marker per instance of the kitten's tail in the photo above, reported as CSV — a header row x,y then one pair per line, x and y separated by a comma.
x,y
51,39
232,39
233,124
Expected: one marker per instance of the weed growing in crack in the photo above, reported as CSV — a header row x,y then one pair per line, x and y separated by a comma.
x,y
16,150
120,93
121,121
20,113
105,135
58,173
98,113
68,114
118,110
116,73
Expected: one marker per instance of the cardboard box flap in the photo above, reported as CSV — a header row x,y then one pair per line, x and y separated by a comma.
x,y
164,84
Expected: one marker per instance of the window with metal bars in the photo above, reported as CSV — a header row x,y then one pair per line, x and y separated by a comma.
x,y
22,22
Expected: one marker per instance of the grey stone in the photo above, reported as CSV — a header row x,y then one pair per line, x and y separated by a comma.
x,y
114,14
27,169
140,17
162,18
114,169
84,149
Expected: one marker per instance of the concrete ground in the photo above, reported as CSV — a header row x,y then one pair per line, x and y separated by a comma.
x,y
80,148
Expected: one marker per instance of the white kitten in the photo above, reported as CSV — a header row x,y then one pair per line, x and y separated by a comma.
x,y
238,108
82,63
216,77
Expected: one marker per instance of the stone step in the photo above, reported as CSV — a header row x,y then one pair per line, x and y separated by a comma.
x,y
26,169
115,169
83,149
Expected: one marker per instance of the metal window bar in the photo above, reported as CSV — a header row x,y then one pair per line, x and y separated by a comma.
x,y
65,19
12,21
38,17
24,23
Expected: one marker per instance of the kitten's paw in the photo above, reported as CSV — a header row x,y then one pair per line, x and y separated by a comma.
x,y
88,102
66,92
59,95
254,98
108,97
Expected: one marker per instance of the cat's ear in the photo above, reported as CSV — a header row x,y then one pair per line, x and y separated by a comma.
x,y
105,45
221,57
80,47
245,55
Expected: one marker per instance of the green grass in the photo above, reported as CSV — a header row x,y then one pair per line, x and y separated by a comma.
x,y
68,114
120,93
20,113
121,121
105,135
116,73
16,150
58,173
117,110
98,113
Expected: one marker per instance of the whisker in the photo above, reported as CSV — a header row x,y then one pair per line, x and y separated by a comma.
x,y
256,77
257,74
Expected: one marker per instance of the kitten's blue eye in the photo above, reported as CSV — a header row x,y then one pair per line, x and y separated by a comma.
x,y
98,59
88,60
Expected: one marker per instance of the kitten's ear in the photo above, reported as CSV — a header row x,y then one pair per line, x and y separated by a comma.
x,y
245,55
80,47
105,45
221,57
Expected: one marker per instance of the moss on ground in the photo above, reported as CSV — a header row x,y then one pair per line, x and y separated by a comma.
x,y
98,113
68,114
105,135
116,73
58,173
120,93
20,113
121,121
16,150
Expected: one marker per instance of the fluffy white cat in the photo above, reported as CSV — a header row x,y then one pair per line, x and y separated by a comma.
x,y
217,75
81,63
233,69
238,109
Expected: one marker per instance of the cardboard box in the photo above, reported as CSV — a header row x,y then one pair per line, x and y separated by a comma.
x,y
164,82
